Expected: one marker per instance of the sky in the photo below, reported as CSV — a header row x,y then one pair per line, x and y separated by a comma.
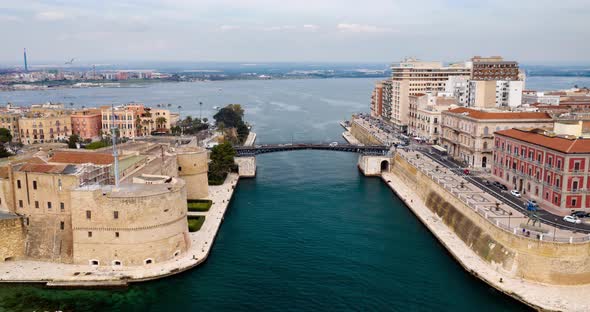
x,y
532,31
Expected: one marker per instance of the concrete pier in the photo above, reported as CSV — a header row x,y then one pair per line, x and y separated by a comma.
x,y
246,166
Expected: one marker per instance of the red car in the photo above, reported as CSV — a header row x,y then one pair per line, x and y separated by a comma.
x,y
465,171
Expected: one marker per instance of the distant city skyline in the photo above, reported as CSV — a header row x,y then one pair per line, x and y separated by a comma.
x,y
294,31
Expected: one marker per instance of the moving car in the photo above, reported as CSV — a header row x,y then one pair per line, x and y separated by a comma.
x,y
515,193
500,186
571,219
532,202
465,171
333,144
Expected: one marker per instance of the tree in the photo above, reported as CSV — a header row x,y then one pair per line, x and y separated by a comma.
x,y
5,135
243,132
3,152
74,138
161,122
228,116
222,162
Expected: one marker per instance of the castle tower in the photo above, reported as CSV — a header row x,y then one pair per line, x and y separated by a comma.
x,y
193,167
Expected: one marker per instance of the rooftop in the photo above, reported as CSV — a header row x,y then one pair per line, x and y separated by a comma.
x,y
481,114
558,143
68,157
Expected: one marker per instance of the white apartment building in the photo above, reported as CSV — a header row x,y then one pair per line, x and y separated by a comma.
x,y
411,77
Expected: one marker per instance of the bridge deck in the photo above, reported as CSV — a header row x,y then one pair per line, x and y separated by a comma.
x,y
261,149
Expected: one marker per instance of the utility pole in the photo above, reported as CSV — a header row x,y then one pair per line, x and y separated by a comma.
x,y
114,139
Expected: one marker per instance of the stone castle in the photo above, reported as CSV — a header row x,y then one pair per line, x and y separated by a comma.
x,y
62,206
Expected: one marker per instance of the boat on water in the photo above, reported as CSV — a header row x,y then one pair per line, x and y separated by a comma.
x,y
216,107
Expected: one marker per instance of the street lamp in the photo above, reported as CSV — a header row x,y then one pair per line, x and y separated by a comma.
x,y
201,110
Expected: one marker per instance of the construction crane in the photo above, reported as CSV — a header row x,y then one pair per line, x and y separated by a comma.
x,y
70,62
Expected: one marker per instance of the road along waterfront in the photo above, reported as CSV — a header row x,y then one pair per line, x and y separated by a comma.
x,y
546,296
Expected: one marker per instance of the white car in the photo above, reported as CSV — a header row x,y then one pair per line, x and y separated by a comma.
x,y
572,219
515,193
333,144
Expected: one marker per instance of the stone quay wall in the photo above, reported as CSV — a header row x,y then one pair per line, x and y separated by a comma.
x,y
363,135
517,256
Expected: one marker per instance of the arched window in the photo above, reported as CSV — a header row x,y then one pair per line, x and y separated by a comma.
x,y
148,261
117,262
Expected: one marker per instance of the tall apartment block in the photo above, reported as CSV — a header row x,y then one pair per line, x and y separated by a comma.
x,y
412,77
494,83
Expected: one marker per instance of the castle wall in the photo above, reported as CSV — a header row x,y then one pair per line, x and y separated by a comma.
x,y
13,239
139,222
192,167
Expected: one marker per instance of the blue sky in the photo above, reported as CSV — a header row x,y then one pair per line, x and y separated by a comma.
x,y
302,30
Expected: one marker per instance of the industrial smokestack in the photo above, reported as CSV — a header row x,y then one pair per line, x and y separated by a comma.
x,y
26,65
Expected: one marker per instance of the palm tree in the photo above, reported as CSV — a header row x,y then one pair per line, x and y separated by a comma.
x,y
161,122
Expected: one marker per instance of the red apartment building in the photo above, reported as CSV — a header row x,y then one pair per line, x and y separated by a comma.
x,y
551,169
87,123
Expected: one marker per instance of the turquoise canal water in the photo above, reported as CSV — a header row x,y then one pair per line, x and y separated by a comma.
x,y
309,233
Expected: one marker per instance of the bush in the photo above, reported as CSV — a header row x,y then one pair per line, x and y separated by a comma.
x,y
97,145
199,205
195,223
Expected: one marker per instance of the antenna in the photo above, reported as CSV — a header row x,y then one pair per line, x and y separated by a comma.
x,y
114,138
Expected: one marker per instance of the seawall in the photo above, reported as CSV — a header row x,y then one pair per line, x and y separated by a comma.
x,y
545,275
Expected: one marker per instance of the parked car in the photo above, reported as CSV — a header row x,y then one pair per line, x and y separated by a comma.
x,y
500,186
580,214
572,219
333,144
515,193
465,171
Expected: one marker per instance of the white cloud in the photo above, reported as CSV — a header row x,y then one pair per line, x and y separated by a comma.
x,y
278,28
50,16
358,28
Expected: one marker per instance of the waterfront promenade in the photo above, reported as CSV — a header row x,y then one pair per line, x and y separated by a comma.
x,y
70,275
538,295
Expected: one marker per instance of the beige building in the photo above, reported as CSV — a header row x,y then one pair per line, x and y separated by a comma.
x,y
44,127
9,120
412,77
468,134
494,83
134,120
426,116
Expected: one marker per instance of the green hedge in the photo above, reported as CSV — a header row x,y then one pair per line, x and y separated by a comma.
x,y
199,204
97,145
195,223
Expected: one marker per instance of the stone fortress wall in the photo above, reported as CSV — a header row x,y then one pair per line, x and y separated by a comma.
x,y
193,167
139,224
12,236
527,258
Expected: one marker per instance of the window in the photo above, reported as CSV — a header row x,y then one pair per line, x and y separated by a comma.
x,y
36,204
574,202
117,234
93,262
62,206
61,225
575,186
18,183
148,261
577,166
89,234
20,203
48,205
117,262
116,214
88,214
559,164
34,185
179,168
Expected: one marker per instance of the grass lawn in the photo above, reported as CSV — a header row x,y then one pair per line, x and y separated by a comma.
x,y
199,204
195,223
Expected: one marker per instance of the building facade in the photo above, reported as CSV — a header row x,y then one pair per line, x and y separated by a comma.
x,y
551,169
87,123
44,128
468,134
494,83
412,77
